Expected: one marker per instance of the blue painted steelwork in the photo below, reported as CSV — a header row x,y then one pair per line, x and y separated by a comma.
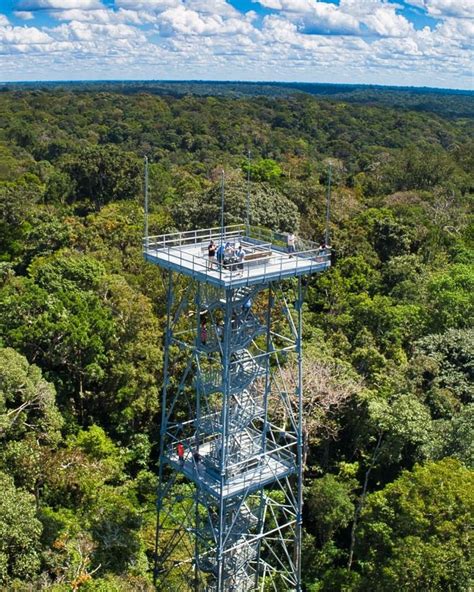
x,y
247,212
266,259
299,435
230,509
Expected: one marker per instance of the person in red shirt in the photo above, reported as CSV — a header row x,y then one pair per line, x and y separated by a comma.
x,y
180,451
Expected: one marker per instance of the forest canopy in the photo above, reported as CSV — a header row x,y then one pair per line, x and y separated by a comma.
x,y
388,331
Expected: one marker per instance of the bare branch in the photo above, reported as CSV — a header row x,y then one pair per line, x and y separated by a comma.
x,y
327,387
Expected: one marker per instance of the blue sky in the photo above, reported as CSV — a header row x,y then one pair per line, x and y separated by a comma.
x,y
412,42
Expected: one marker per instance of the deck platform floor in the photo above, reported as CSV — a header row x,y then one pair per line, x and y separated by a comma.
x,y
271,467
190,260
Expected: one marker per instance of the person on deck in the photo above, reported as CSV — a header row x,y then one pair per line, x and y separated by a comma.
x,y
228,250
228,255
247,305
290,242
180,451
204,331
220,254
198,462
240,255
211,252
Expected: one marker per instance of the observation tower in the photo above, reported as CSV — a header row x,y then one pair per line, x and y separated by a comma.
x,y
231,442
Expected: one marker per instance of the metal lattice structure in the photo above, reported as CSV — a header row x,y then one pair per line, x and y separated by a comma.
x,y
231,444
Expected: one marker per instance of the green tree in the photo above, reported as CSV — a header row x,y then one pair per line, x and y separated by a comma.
x,y
442,371
388,235
268,207
264,169
20,532
93,334
455,437
415,533
103,173
67,331
406,426
17,202
330,506
450,298
115,526
27,400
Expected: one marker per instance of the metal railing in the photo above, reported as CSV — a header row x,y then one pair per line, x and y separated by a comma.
x,y
188,250
247,466
193,237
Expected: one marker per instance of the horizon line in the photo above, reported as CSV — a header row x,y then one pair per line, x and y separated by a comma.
x,y
249,82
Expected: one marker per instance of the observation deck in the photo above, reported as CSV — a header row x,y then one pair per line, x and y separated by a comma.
x,y
241,477
266,255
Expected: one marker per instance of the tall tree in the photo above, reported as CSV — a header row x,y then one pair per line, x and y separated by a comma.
x,y
415,534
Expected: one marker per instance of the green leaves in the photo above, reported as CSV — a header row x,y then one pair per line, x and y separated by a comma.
x,y
268,208
264,169
19,534
27,401
387,329
330,506
103,173
443,370
406,424
450,298
66,330
414,534
92,333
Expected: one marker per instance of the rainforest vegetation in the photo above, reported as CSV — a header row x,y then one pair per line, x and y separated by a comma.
x,y
389,483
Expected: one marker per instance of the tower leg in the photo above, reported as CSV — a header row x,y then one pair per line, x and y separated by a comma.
x,y
300,452
230,509
167,342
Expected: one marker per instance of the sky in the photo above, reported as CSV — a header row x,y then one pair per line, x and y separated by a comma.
x,y
405,43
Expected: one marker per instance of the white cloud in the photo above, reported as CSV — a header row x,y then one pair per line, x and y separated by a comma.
x,y
288,5
272,4
220,7
156,5
348,18
24,15
204,7
368,41
3,20
189,22
446,8
28,5
23,36
458,31
105,16
327,17
386,23
80,31
79,14
314,17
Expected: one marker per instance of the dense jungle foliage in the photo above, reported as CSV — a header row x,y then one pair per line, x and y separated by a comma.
x,y
389,483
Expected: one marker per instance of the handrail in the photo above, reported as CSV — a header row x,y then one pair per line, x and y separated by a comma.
x,y
173,245
256,232
202,231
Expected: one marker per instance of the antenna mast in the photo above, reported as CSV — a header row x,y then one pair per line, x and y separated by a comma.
x,y
247,219
222,204
328,206
146,201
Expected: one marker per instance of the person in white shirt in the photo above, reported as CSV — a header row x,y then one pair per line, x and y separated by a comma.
x,y
290,242
240,254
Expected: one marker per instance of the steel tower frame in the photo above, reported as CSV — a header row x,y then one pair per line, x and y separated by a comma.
x,y
229,507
